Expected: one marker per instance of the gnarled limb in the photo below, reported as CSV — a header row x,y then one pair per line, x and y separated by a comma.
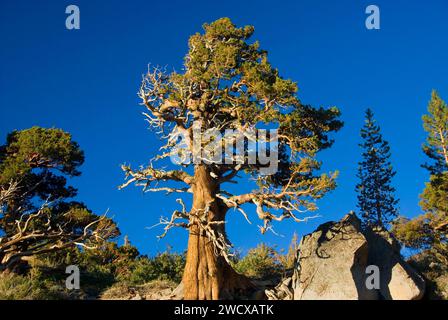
x,y
144,177
37,234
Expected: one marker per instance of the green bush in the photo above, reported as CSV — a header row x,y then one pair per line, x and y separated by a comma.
x,y
260,262
164,266
113,269
434,272
15,287
103,268
288,260
27,287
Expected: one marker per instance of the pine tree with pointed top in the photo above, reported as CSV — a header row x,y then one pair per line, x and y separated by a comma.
x,y
376,199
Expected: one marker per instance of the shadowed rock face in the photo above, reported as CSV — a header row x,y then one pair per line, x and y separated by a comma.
x,y
331,264
398,280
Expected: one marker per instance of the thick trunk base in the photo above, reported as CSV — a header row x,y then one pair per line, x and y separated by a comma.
x,y
210,277
207,275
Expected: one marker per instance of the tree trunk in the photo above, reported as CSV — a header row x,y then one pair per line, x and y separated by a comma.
x,y
206,275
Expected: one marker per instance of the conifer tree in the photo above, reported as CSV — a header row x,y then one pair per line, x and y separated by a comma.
x,y
376,199
36,214
435,195
429,230
228,84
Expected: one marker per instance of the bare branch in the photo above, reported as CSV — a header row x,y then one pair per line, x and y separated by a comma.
x,y
37,233
144,177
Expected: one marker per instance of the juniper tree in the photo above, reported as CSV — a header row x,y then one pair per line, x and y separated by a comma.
x,y
376,199
36,214
228,84
429,230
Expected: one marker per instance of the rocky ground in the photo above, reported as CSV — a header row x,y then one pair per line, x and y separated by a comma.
x,y
334,262
155,290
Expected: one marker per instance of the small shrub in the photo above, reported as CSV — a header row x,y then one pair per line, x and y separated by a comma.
x,y
15,287
260,262
434,272
27,287
164,266
288,260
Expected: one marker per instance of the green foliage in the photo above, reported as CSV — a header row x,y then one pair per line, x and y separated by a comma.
x,y
117,272
288,260
435,195
38,217
124,263
228,83
109,265
429,230
100,267
34,157
259,263
15,287
233,73
30,287
376,199
266,262
436,125
414,233
39,148
238,84
164,266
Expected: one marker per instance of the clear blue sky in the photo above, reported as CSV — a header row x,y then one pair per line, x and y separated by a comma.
x,y
85,81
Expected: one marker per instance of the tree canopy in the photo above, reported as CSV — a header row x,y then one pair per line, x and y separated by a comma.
x,y
229,83
229,102
35,216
